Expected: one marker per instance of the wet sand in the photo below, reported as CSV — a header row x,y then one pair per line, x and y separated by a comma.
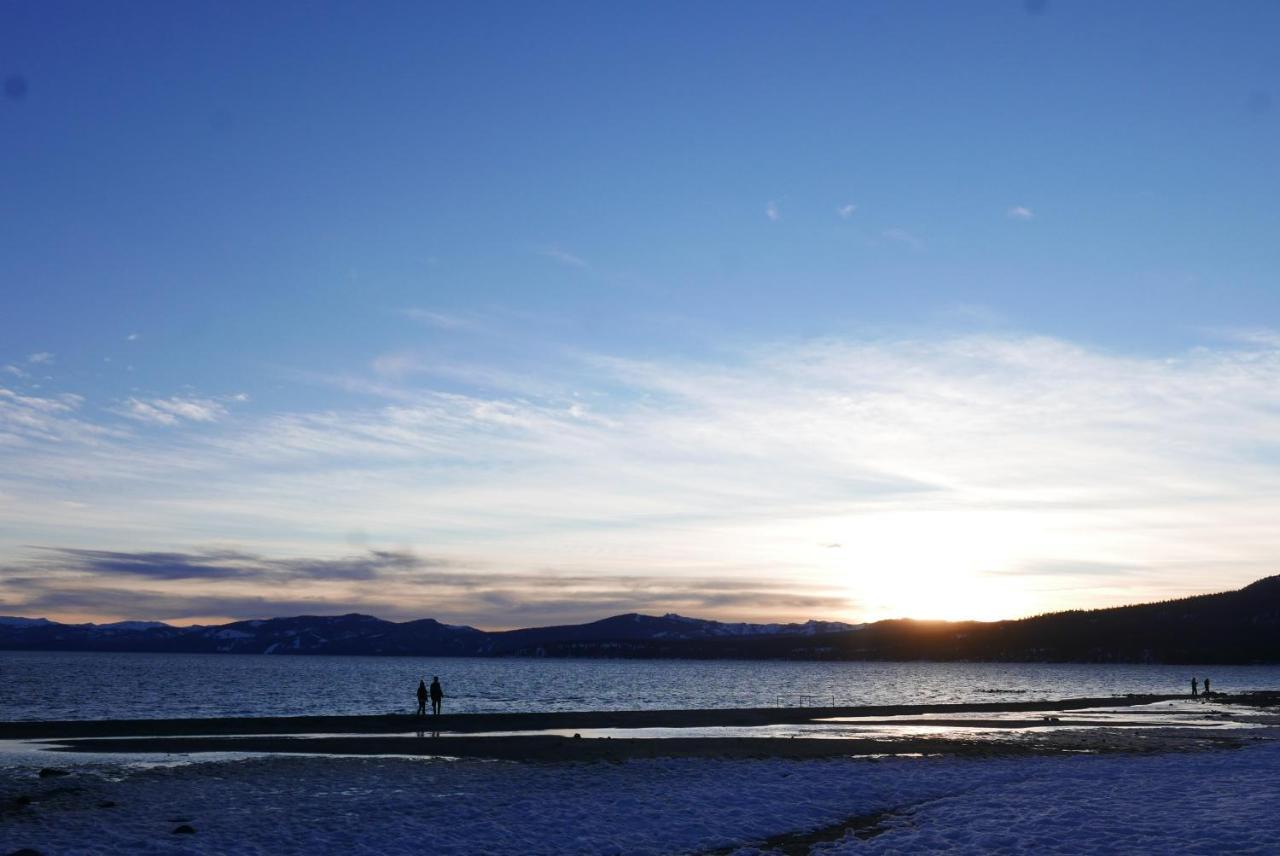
x,y
469,735
544,748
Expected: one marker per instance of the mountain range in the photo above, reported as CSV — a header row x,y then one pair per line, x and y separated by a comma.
x,y
1230,627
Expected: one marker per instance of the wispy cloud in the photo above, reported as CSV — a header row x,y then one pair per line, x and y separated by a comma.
x,y
223,564
902,236
1069,569
441,320
182,586
41,358
965,315
1019,212
30,419
16,371
133,337
771,211
395,365
1259,336
847,211
564,257
171,411
935,463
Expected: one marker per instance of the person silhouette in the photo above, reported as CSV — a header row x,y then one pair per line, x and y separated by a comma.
x,y
422,697
1195,688
1206,688
436,695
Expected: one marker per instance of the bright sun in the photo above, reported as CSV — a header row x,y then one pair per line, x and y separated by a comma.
x,y
942,565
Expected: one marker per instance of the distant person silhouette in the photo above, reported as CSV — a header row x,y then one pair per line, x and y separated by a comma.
x,y
1206,688
1195,688
422,698
436,695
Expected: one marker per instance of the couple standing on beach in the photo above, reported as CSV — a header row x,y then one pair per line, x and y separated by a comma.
x,y
436,694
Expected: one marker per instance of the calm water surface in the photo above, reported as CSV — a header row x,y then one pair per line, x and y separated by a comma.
x,y
55,685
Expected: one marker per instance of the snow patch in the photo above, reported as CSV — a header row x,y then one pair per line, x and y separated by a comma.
x,y
16,621
1207,802
129,625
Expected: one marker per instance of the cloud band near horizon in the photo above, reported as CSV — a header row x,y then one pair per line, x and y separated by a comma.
x,y
988,476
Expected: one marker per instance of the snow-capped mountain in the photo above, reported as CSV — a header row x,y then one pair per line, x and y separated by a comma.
x,y
15,621
365,634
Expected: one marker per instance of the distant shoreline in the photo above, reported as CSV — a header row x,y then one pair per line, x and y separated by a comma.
x,y
668,658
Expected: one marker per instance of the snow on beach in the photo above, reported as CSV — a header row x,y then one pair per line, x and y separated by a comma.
x,y
1206,802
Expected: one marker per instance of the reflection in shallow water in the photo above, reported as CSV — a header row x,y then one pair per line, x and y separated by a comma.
x,y
970,726
22,759
1088,726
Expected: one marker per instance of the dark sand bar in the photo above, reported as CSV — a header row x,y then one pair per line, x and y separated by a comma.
x,y
473,723
543,747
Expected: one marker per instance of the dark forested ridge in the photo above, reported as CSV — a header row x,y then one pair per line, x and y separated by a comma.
x,y
1231,627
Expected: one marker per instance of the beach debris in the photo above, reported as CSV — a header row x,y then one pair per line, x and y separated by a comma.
x,y
185,829
50,772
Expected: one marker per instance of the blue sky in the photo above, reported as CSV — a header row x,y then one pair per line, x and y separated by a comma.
x,y
508,288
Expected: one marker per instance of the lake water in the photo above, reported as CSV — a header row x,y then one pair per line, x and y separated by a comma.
x,y
55,685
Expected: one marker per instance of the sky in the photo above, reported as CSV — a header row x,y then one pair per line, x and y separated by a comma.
x,y
515,314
